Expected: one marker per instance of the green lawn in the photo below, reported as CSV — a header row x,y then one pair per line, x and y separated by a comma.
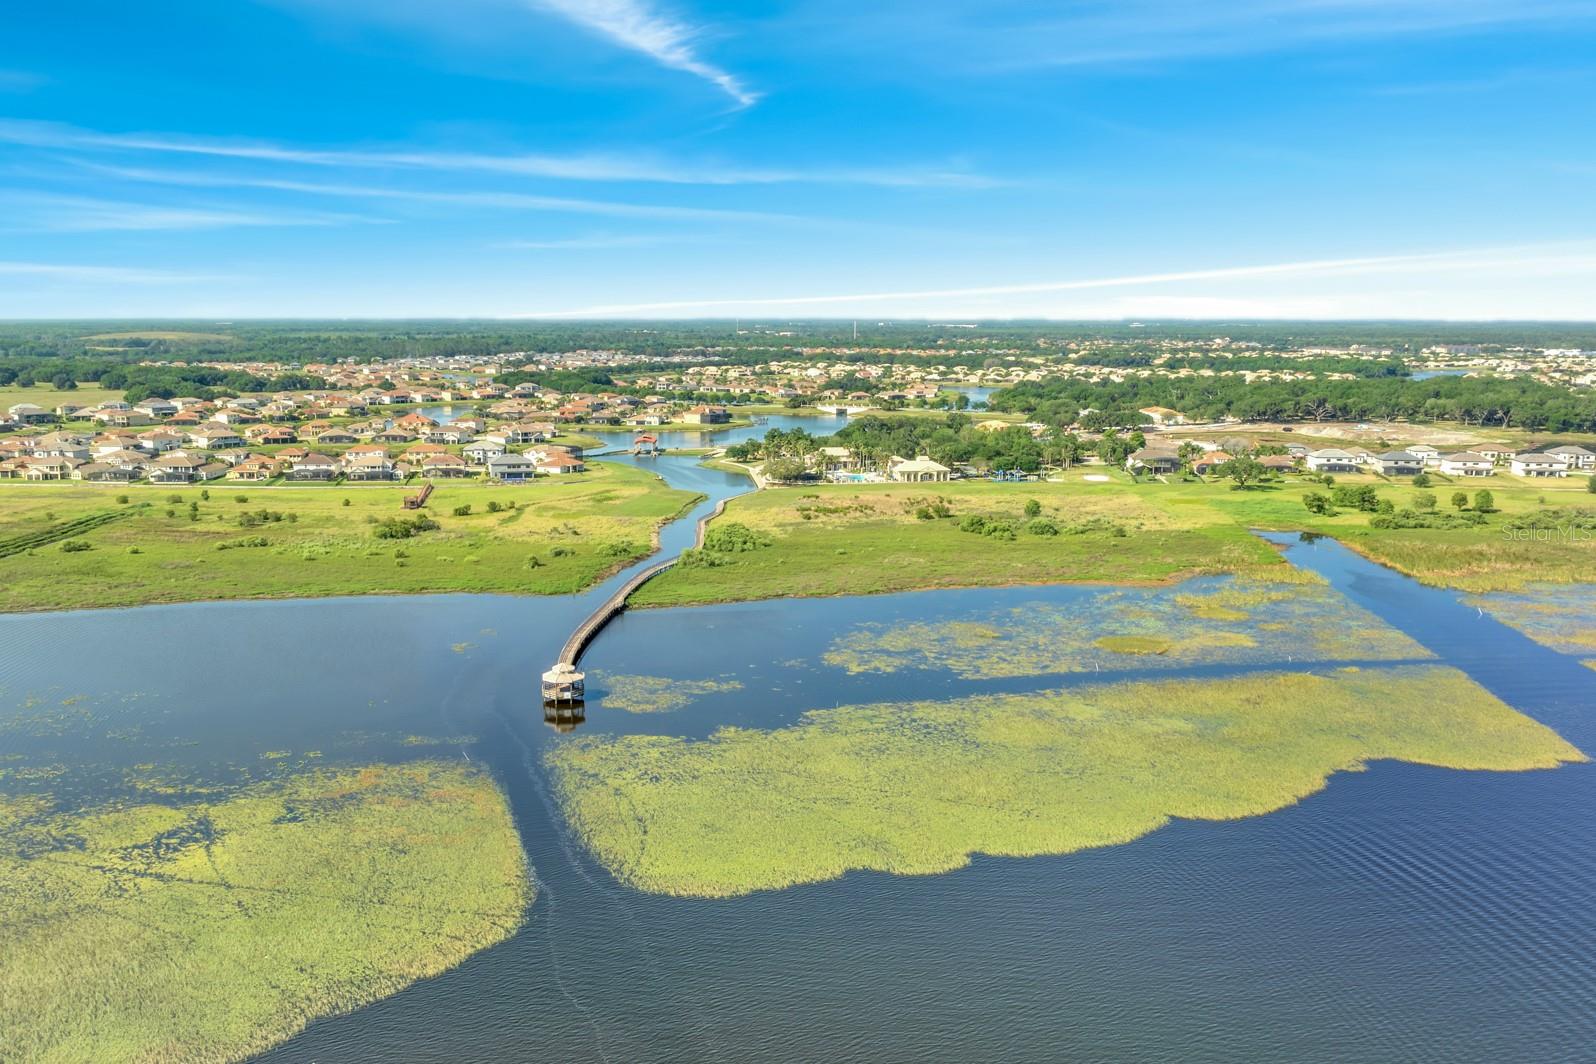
x,y
862,539
576,528
43,394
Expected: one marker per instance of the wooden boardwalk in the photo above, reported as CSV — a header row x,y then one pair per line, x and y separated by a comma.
x,y
589,629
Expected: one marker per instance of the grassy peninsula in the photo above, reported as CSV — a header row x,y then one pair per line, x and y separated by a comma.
x,y
916,788
211,931
1100,525
555,535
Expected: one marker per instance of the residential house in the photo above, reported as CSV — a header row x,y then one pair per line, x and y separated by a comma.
x,y
215,437
479,451
336,436
312,467
1207,463
1399,463
706,415
1426,454
50,468
1332,460
1578,458
1155,460
254,470
28,414
157,408
370,467
443,465
1538,464
175,469
105,473
1467,464
511,468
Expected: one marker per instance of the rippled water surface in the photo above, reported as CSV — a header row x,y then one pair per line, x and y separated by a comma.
x,y
1404,913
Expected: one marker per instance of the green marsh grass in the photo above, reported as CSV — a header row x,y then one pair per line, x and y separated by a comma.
x,y
209,931
916,788
1230,620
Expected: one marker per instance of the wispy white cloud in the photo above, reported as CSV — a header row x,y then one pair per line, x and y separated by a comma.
x,y
983,35
487,200
100,274
641,27
73,214
1543,260
630,166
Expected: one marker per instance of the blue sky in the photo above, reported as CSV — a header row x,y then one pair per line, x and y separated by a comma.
x,y
710,158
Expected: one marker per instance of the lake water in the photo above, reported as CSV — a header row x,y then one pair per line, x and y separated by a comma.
x,y
1426,374
1404,913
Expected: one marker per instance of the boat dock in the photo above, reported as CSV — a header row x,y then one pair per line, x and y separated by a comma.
x,y
563,683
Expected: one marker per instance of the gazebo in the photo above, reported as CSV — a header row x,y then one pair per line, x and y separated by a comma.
x,y
563,685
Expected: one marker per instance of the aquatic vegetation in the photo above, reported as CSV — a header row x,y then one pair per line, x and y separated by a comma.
x,y
915,788
657,694
1211,622
212,930
1563,618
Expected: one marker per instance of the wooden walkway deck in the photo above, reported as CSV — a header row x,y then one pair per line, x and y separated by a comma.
x,y
589,629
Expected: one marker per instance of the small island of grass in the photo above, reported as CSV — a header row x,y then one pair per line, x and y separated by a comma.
x,y
211,931
916,788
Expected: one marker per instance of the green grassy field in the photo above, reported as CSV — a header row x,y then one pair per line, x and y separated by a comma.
x,y
46,396
916,788
868,538
211,931
576,528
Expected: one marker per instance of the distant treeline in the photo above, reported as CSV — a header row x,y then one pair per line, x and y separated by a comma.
x,y
1133,358
1508,403
364,341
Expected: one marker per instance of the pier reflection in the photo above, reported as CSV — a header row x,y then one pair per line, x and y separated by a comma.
x,y
564,717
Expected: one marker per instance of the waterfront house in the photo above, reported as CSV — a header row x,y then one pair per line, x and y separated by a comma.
x,y
706,415
1538,464
1332,460
1467,464
1399,464
557,460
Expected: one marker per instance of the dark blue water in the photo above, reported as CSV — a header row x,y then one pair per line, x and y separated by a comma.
x,y
1405,913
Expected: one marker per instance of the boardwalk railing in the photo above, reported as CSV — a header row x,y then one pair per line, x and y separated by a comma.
x,y
590,628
